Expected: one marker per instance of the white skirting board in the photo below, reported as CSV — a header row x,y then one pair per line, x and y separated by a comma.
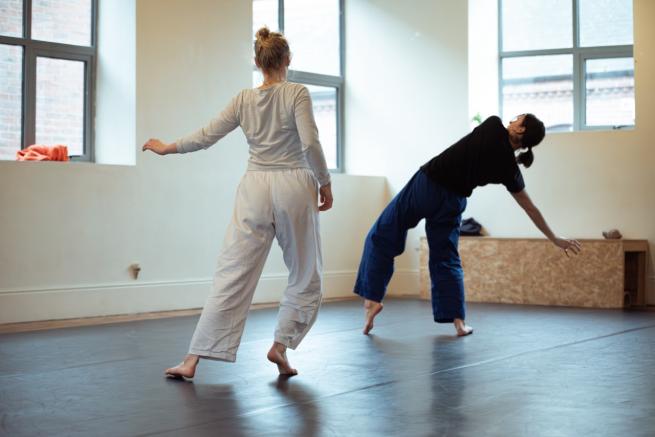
x,y
56,303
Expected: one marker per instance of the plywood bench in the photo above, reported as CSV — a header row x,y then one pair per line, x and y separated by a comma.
x,y
606,274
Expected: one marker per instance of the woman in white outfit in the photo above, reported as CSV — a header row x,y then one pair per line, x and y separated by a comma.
x,y
277,198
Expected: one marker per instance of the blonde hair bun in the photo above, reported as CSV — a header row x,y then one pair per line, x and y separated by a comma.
x,y
263,33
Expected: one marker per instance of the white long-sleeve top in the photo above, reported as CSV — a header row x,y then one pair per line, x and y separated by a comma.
x,y
279,125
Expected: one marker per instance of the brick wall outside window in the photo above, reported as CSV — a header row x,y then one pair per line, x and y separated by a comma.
x,y
11,67
11,17
64,21
60,104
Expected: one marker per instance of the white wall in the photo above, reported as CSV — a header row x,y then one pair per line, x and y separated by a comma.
x,y
586,182
115,117
69,231
406,93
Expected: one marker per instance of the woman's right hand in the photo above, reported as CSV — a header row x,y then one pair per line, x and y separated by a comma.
x,y
325,193
158,147
572,245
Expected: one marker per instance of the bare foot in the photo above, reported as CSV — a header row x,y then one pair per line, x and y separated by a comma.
x,y
278,355
372,309
462,328
186,369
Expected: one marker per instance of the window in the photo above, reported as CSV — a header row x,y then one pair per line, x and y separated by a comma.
x,y
570,62
315,33
47,71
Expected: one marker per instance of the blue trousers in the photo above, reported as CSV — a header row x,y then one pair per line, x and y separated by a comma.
x,y
421,198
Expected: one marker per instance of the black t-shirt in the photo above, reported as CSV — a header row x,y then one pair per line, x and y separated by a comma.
x,y
482,157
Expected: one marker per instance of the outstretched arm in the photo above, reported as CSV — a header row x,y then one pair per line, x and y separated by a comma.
x,y
217,128
533,212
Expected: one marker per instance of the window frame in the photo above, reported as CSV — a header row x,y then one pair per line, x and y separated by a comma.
x,y
580,56
33,49
325,80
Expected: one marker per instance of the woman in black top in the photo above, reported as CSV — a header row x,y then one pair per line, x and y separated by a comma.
x,y
437,193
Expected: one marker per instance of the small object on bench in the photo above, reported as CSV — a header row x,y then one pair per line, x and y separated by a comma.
x,y
470,227
612,234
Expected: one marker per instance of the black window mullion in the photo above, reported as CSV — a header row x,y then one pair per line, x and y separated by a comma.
x,y
582,92
27,19
87,150
314,78
63,55
61,48
90,66
542,52
341,165
29,97
89,92
576,24
340,129
500,57
48,46
578,73
94,24
342,42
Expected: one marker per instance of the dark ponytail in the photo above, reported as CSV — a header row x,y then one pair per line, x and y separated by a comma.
x,y
526,158
535,131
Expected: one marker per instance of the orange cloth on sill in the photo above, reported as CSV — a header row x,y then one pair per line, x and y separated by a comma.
x,y
38,152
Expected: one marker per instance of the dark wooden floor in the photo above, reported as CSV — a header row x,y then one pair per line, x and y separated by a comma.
x,y
527,371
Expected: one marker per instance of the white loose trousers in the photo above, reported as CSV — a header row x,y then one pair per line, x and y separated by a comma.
x,y
270,204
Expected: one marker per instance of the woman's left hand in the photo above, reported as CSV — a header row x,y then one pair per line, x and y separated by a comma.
x,y
325,194
568,245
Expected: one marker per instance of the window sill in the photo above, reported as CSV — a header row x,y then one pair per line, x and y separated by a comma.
x,y
594,130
